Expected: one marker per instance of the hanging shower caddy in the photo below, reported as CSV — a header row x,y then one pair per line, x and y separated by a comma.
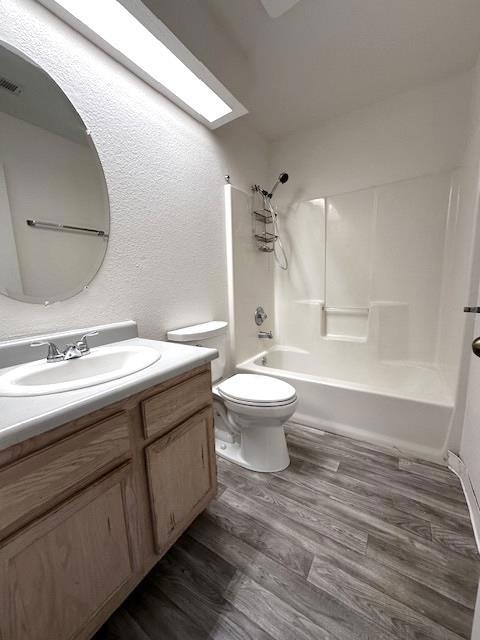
x,y
262,221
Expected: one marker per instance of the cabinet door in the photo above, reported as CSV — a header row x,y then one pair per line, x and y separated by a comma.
x,y
57,573
182,476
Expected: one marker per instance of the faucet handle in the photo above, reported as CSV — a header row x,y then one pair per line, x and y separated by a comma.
x,y
260,316
54,353
82,344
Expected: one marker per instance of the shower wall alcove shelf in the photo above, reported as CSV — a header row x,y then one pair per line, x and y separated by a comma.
x,y
56,226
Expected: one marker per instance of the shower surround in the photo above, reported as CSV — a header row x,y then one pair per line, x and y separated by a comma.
x,y
357,313
372,220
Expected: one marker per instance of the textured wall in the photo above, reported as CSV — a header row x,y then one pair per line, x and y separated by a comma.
x,y
165,264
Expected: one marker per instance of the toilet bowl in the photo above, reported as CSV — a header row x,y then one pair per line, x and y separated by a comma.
x,y
250,410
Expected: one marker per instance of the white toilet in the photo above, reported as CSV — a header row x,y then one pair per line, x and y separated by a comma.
x,y
250,410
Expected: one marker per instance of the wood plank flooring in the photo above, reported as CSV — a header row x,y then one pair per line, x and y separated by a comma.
x,y
350,542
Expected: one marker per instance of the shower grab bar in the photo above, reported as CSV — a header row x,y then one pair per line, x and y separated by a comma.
x,y
346,310
56,226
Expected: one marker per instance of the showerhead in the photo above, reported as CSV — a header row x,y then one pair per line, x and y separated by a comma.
x,y
282,178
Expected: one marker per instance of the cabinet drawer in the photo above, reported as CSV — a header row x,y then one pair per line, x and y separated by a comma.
x,y
170,407
37,482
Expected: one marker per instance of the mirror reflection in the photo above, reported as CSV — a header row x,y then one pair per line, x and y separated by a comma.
x,y
54,215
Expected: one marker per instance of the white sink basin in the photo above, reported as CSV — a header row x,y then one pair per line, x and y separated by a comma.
x,y
102,364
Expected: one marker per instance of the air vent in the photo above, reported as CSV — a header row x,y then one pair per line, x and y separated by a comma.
x,y
276,8
11,87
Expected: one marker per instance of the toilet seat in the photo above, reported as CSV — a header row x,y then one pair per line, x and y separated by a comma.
x,y
257,390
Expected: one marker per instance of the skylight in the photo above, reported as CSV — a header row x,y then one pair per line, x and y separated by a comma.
x,y
137,47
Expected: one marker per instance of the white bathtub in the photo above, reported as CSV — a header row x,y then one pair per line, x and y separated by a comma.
x,y
343,390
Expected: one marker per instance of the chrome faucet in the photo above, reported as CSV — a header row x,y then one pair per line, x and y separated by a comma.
x,y
71,351
265,334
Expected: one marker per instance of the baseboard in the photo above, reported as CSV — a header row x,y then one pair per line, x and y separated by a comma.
x,y
459,468
401,448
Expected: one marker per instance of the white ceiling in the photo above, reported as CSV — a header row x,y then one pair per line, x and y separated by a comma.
x,y
326,57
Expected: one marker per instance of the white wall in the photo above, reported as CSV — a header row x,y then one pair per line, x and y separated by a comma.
x,y
413,134
165,263
408,257
393,164
300,291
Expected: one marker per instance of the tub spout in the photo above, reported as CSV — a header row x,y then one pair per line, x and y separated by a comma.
x,y
265,334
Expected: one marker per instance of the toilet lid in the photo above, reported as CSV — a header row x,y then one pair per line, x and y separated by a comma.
x,y
256,389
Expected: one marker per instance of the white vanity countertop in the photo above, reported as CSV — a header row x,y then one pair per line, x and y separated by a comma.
x,y
24,417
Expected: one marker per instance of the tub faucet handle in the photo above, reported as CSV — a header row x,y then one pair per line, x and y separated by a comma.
x,y
260,316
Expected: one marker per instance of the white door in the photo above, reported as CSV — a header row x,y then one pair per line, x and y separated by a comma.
x,y
470,445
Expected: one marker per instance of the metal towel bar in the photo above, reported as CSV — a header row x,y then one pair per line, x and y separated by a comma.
x,y
56,226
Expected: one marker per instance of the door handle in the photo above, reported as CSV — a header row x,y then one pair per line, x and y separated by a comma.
x,y
476,347
476,342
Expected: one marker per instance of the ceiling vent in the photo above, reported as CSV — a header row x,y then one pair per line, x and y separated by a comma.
x,y
276,8
11,87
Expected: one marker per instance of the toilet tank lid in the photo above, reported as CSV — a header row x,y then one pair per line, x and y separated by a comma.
x,y
198,331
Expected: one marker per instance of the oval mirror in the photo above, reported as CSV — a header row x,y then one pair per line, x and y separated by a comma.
x,y
54,213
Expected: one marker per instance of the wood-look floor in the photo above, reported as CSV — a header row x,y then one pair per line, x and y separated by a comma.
x,y
350,542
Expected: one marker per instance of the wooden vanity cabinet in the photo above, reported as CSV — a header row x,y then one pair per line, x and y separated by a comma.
x,y
88,508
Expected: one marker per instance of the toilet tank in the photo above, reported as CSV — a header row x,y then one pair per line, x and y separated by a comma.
x,y
207,334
